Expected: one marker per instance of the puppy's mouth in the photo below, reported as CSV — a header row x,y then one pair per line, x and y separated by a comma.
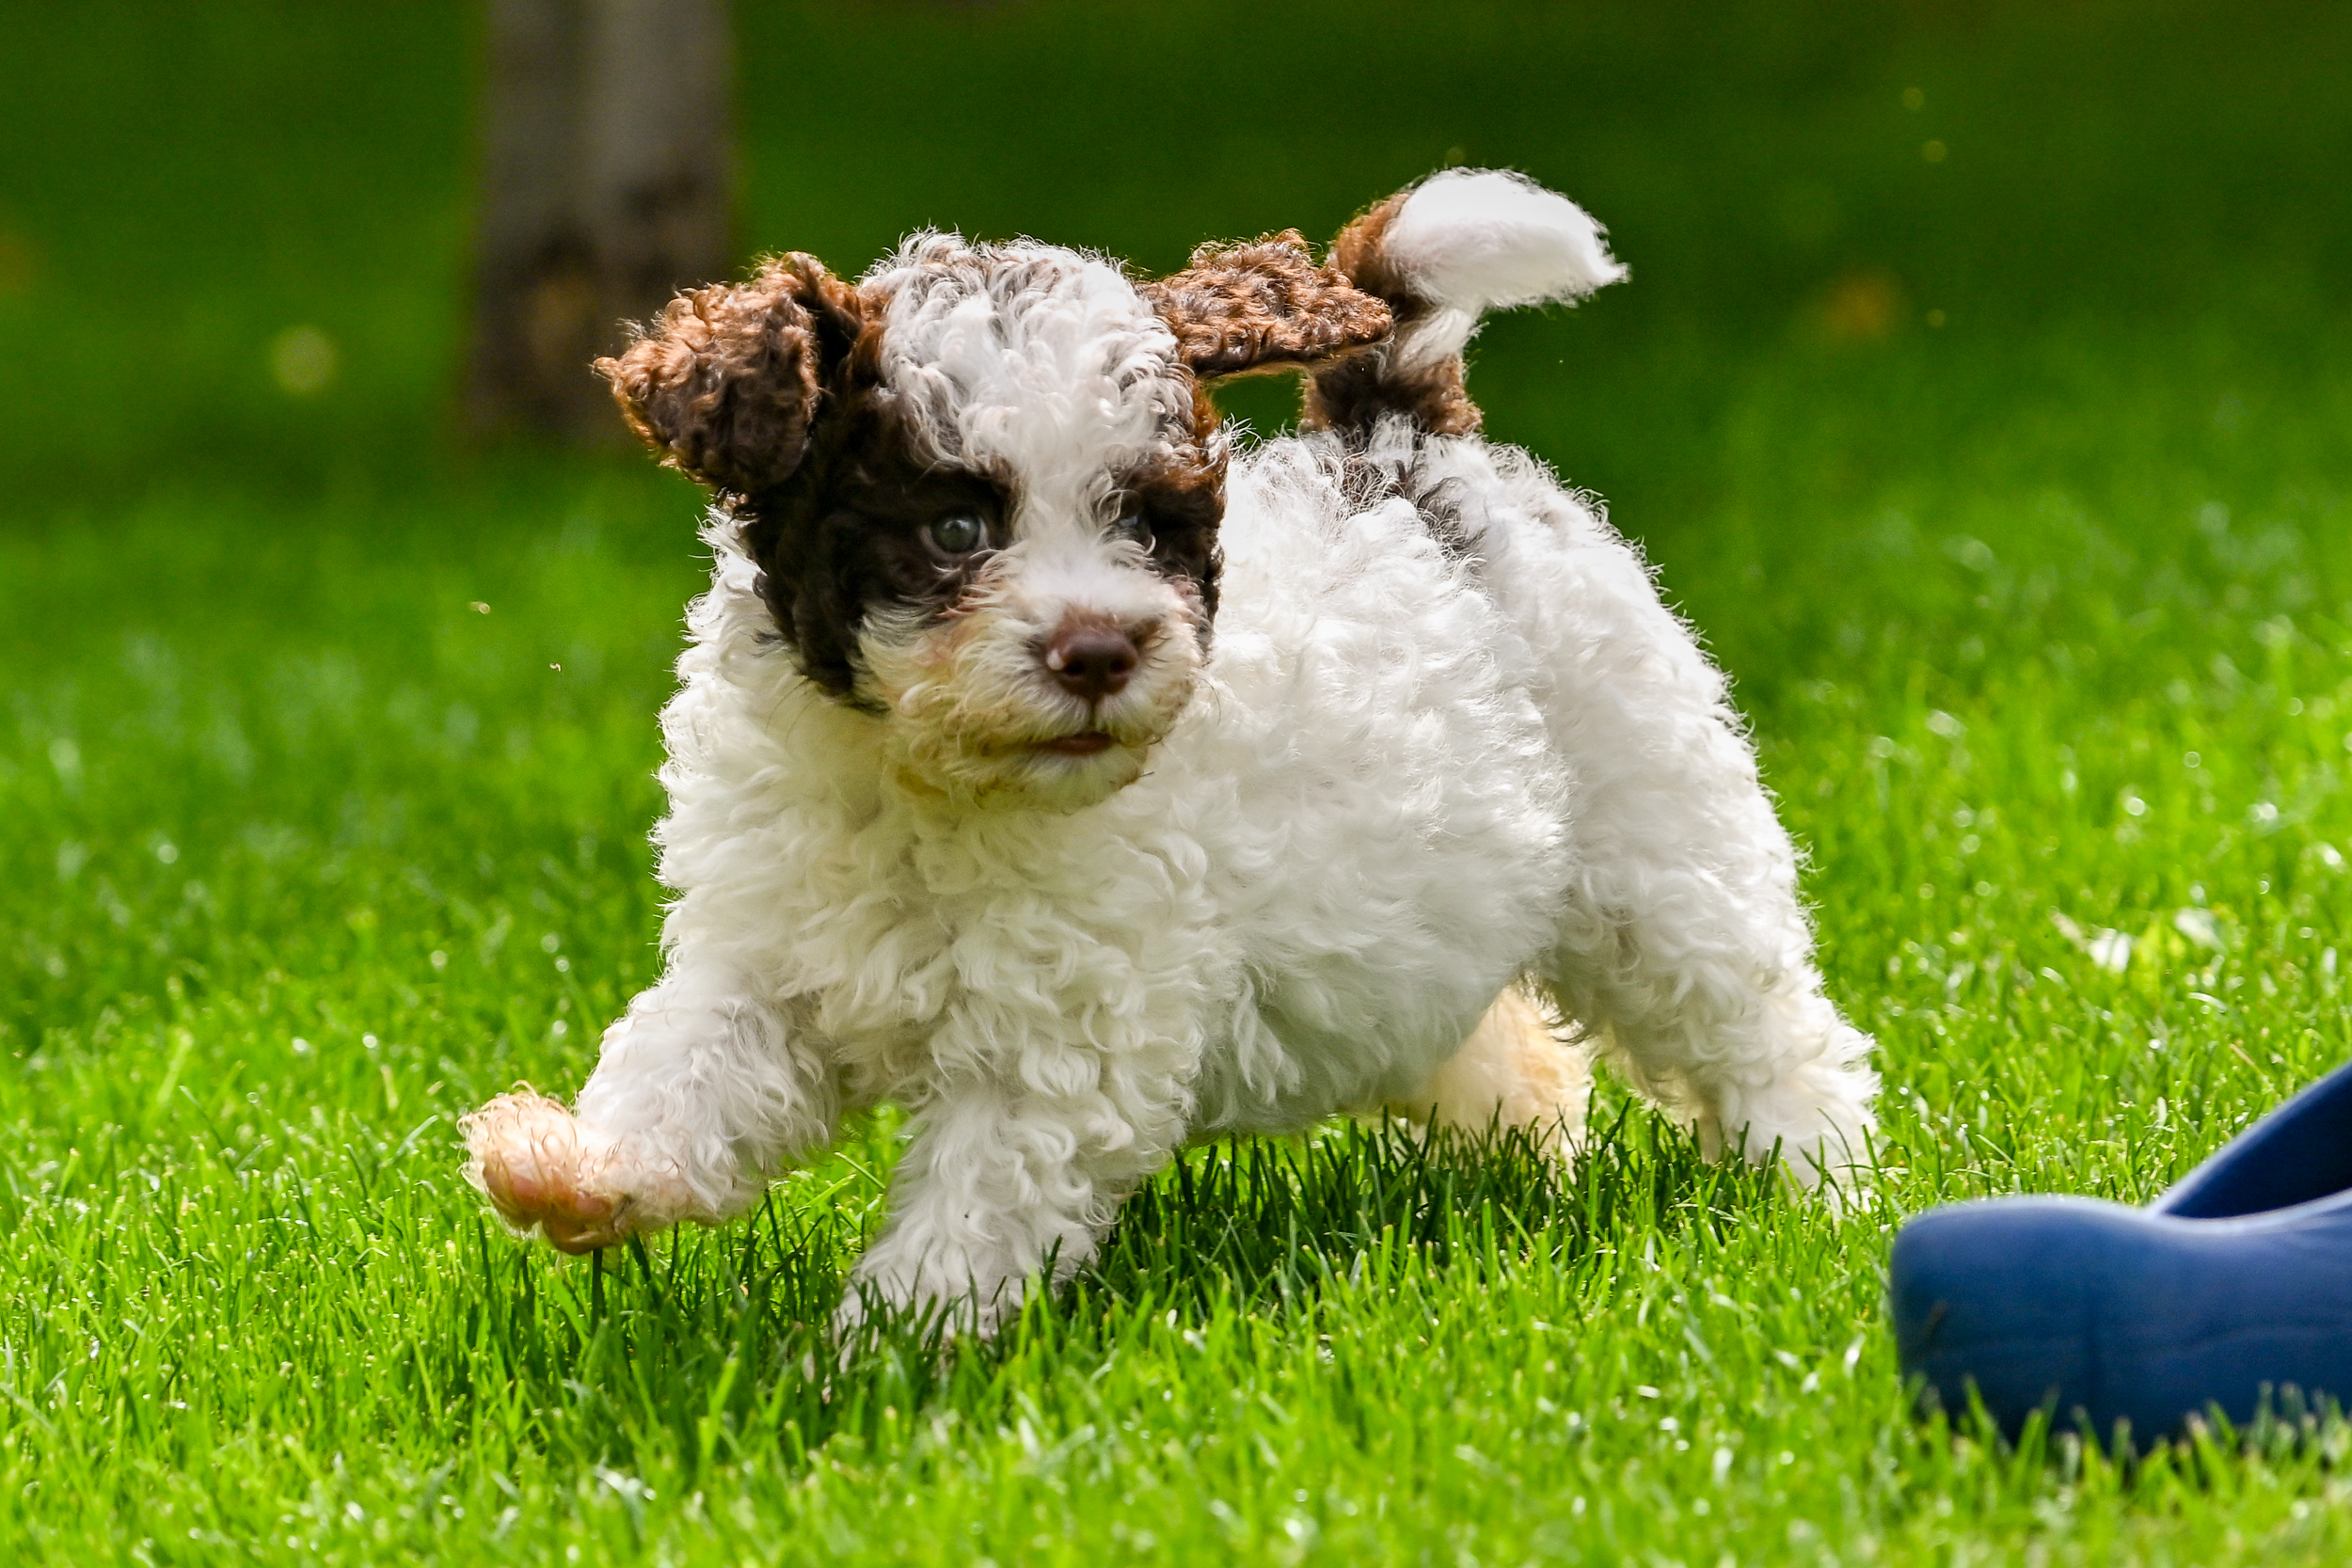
x,y
1086,743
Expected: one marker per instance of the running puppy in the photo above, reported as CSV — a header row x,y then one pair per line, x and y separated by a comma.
x,y
1050,769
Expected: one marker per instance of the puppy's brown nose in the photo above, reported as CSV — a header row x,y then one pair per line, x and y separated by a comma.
x,y
1091,658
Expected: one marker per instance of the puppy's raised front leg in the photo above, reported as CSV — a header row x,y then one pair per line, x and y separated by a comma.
x,y
699,1095
1000,1176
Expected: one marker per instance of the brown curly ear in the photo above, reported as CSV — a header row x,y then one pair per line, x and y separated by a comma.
x,y
726,384
1264,305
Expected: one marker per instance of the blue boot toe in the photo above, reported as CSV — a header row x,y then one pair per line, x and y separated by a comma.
x,y
2233,1288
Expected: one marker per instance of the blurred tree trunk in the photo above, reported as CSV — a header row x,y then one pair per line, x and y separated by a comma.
x,y
607,186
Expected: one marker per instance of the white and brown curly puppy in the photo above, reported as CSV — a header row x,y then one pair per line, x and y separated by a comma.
x,y
1049,767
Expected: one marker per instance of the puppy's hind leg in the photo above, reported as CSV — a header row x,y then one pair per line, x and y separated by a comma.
x,y
699,1095
1682,934
1514,1071
1712,1005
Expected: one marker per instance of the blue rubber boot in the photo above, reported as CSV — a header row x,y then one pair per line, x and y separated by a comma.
x,y
2234,1286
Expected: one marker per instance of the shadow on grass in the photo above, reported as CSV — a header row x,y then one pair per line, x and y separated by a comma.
x,y
708,1345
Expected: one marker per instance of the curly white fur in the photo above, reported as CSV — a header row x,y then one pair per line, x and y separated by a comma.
x,y
1405,778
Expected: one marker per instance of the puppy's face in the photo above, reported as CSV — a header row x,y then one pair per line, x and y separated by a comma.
x,y
983,486
1003,540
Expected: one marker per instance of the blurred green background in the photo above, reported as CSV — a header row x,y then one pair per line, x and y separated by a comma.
x,y
179,183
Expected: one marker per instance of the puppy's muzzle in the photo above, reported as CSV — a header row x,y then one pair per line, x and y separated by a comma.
x,y
1092,660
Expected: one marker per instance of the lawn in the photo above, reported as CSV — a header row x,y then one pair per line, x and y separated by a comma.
x,y
1984,394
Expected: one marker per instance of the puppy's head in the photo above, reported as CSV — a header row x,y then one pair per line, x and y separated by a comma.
x,y
983,485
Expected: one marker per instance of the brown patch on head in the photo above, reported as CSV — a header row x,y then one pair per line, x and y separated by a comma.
x,y
726,384
1263,305
1350,395
771,392
1180,500
851,529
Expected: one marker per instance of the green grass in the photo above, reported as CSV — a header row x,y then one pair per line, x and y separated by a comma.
x,y
2044,613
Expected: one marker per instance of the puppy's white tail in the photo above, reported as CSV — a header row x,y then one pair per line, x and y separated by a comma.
x,y
1442,254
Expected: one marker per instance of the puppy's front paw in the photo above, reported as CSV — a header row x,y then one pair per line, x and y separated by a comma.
x,y
542,1171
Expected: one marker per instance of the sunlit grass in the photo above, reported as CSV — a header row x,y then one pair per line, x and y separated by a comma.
x,y
309,851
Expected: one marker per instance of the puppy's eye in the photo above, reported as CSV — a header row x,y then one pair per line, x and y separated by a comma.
x,y
957,533
1135,526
